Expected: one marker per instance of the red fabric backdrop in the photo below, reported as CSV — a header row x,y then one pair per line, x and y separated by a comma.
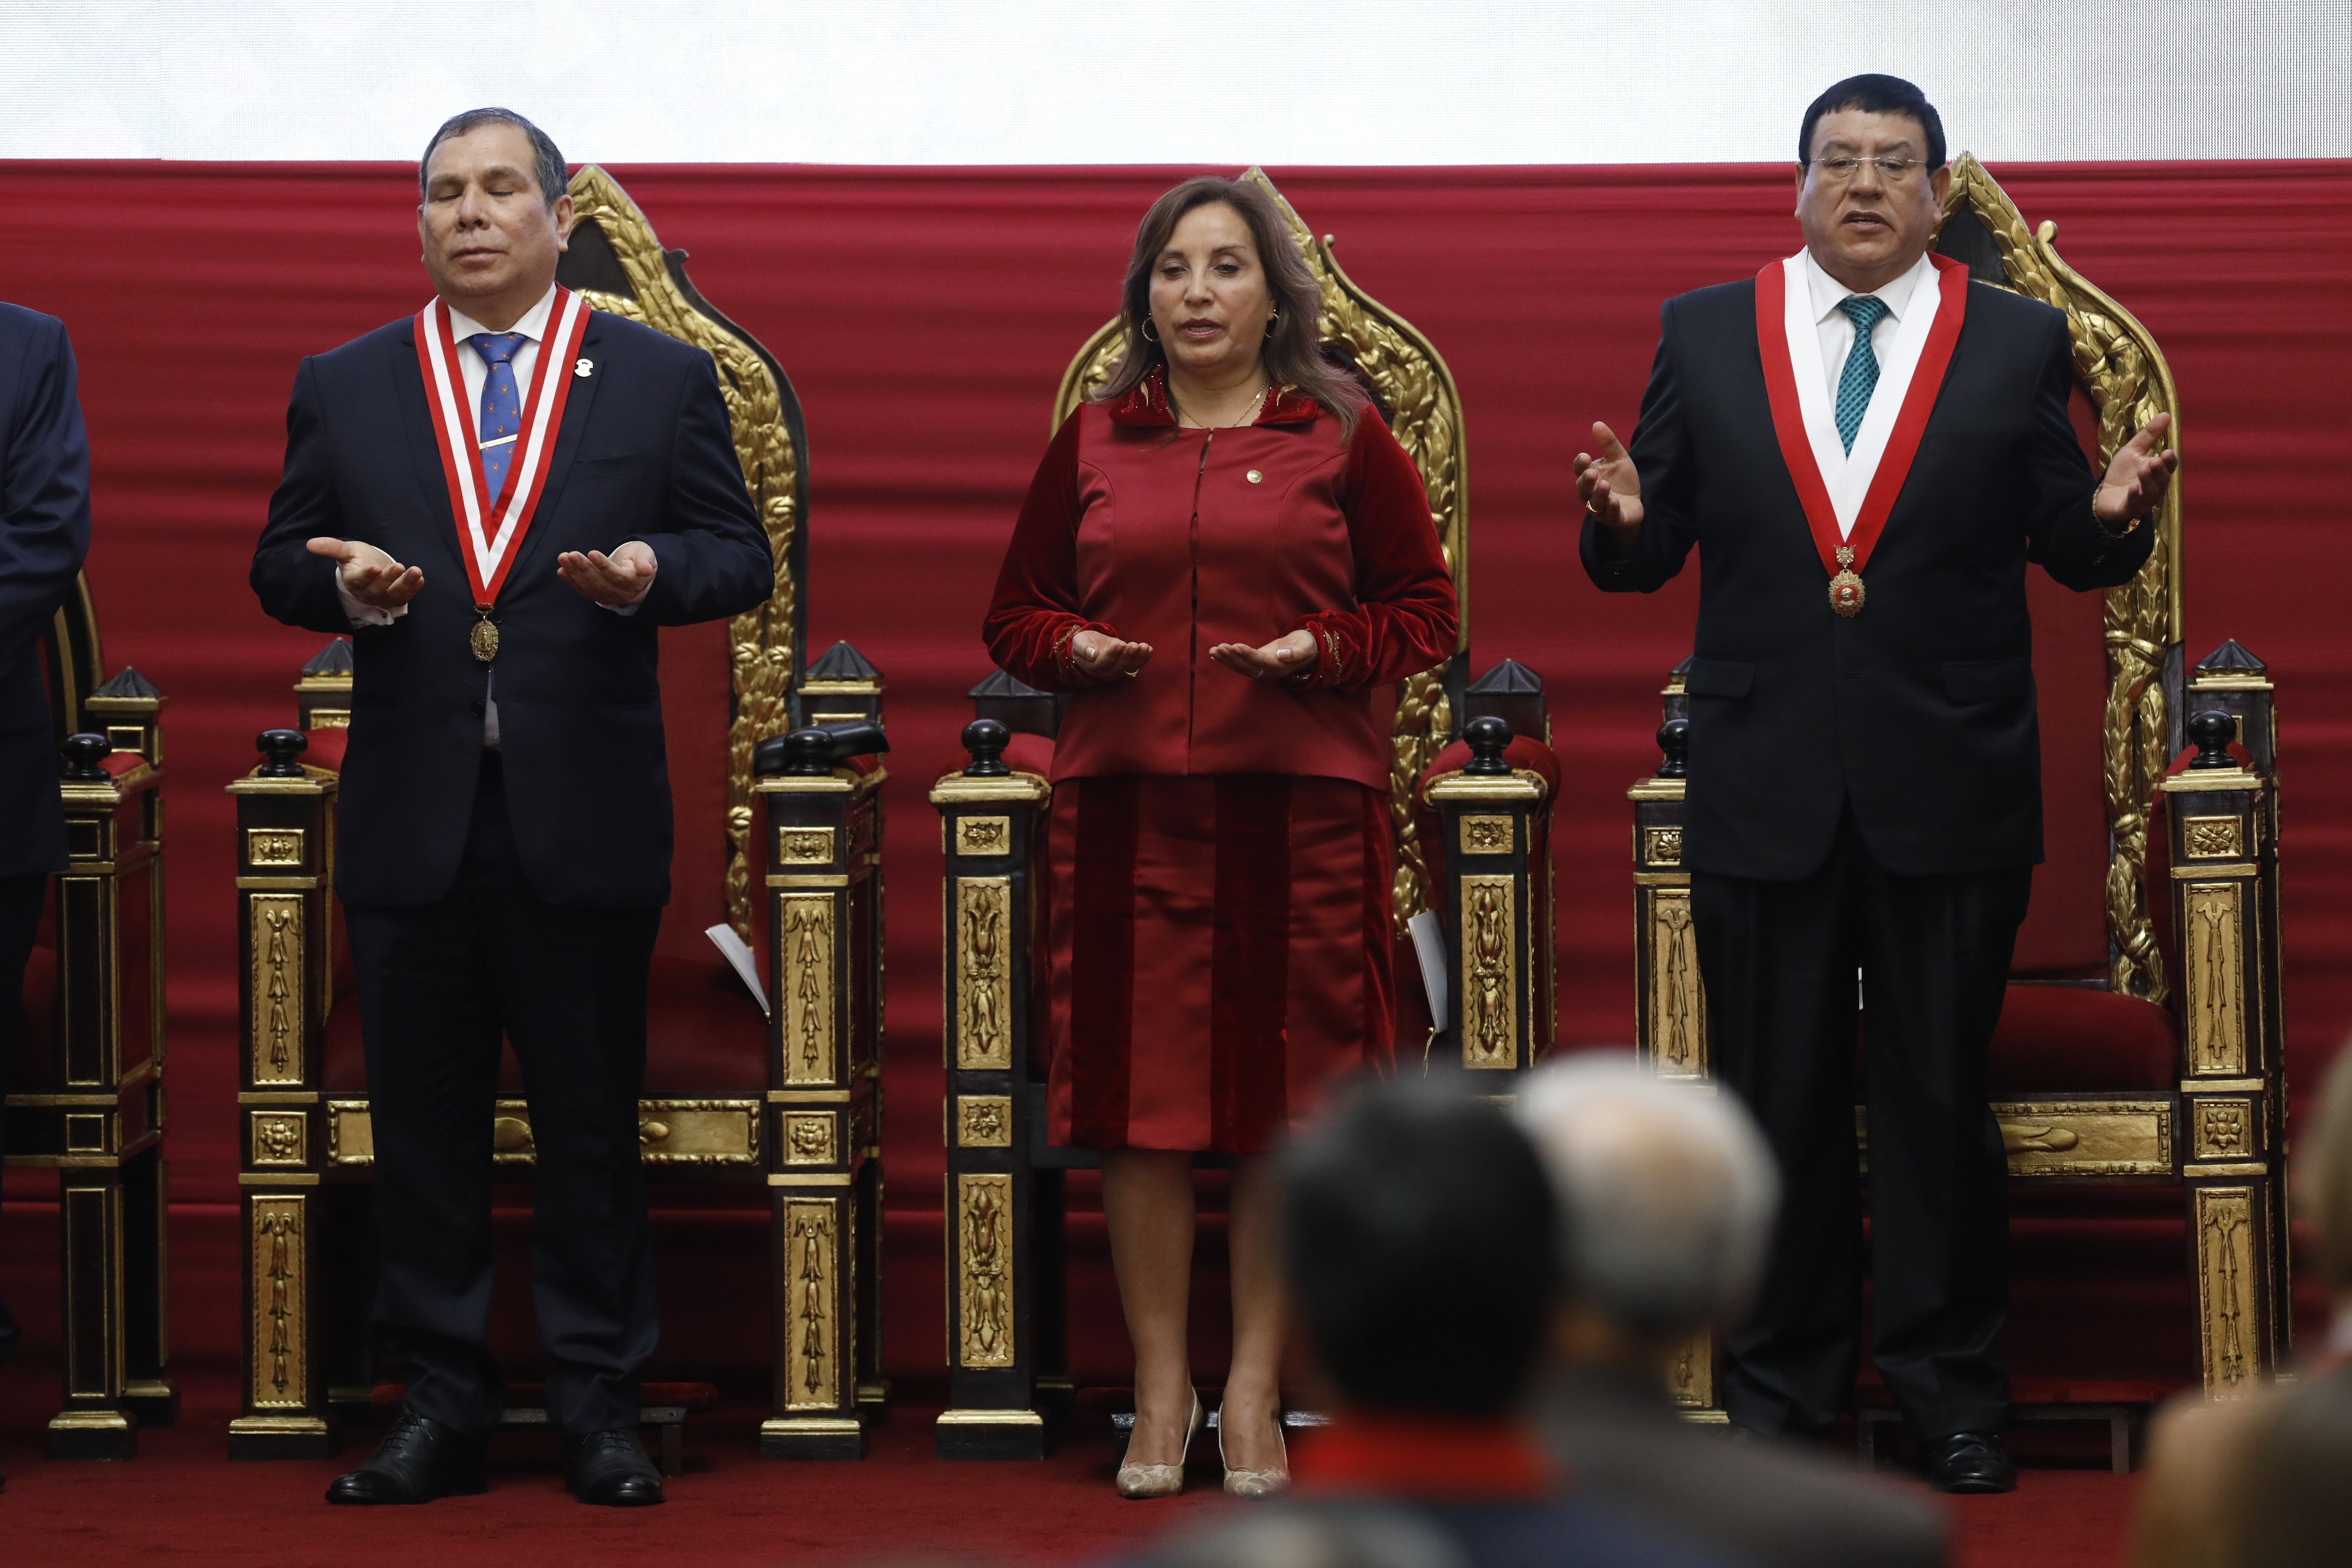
x,y
926,316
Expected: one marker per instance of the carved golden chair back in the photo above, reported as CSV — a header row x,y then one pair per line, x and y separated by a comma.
x,y
618,264
1415,393
2124,373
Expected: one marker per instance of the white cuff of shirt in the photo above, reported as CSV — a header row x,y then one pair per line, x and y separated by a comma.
x,y
363,615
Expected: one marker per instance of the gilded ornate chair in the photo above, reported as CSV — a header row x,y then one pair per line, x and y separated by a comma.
x,y
1004,1201
2126,1054
88,1099
779,842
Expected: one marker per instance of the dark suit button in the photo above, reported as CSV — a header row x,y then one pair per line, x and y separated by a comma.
x,y
477,709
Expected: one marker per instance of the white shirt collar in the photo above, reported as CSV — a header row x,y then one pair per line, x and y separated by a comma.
x,y
532,326
1828,293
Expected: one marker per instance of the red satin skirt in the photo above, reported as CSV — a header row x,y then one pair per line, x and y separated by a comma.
x,y
1222,952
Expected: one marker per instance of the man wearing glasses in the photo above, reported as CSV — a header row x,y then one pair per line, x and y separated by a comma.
x,y
1867,450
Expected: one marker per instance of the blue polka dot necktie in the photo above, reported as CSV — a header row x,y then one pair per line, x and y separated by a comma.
x,y
1856,384
501,420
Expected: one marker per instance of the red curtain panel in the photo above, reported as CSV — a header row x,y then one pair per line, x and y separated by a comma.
x,y
926,315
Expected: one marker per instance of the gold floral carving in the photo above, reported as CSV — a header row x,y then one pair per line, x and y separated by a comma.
x,y
1677,998
1661,847
808,1137
983,1122
2213,837
279,1136
1416,390
2225,1287
983,835
2127,381
983,940
273,847
2214,966
1487,836
2087,1138
279,1254
1490,979
276,1007
804,845
2225,1128
805,923
984,1270
811,1326
762,640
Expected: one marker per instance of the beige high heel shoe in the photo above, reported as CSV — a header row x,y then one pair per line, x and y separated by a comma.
x,y
1140,1481
1255,1483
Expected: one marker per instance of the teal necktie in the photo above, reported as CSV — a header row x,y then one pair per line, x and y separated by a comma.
x,y
1859,377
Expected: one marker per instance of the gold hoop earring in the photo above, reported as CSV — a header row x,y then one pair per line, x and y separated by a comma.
x,y
1273,321
1149,336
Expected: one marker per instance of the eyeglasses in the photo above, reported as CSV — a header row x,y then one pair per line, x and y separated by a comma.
x,y
1838,171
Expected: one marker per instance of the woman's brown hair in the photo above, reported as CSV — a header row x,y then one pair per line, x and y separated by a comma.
x,y
1292,355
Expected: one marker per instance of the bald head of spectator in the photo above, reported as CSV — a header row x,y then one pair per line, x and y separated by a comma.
x,y
1666,1195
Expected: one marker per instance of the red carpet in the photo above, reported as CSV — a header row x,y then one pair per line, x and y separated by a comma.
x,y
182,1502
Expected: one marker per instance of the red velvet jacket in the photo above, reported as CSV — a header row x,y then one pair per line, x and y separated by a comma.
x,y
1184,538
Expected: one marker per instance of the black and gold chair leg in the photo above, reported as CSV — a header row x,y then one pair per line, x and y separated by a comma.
x,y
1497,904
93,1107
823,857
996,1204
2223,832
1669,1000
285,898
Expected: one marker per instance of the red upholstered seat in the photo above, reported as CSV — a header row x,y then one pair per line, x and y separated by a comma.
x,y
703,1035
1029,754
2069,1039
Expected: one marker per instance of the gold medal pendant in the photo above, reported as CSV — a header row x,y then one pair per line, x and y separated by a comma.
x,y
486,638
1846,593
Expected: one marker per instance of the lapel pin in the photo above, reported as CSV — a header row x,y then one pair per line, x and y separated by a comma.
x,y
584,367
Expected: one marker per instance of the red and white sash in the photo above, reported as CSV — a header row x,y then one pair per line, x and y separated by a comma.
x,y
1847,496
489,536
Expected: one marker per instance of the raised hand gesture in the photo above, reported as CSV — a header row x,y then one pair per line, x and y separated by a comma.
x,y
615,581
368,575
1283,656
2136,477
1609,485
1101,659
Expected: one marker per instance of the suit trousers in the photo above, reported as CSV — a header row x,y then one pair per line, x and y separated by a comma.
x,y
1780,961
21,899
439,985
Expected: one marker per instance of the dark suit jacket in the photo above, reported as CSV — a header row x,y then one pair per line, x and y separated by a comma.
x,y
1628,1449
644,452
1919,711
44,534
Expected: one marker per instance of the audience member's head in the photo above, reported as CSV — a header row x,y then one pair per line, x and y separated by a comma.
x,y
2324,1181
1418,1234
1666,1196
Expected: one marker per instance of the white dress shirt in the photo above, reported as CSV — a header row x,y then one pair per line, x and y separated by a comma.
x,y
1836,328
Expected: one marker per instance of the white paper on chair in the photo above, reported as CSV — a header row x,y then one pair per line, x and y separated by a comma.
x,y
739,954
1429,946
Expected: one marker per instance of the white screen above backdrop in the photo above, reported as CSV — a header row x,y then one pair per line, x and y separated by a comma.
x,y
1203,82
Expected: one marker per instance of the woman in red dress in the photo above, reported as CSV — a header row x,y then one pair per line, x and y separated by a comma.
x,y
1220,556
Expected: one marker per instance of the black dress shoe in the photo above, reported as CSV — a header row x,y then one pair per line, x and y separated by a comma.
x,y
418,1460
610,1469
1971,1462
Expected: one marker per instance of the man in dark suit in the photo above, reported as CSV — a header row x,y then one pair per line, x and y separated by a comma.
x,y
1865,772
1419,1244
44,534
1666,1197
504,831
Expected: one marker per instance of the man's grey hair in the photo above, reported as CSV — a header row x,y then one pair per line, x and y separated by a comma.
x,y
1666,1192
546,161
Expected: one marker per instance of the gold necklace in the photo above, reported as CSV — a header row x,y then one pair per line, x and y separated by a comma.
x,y
1247,414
